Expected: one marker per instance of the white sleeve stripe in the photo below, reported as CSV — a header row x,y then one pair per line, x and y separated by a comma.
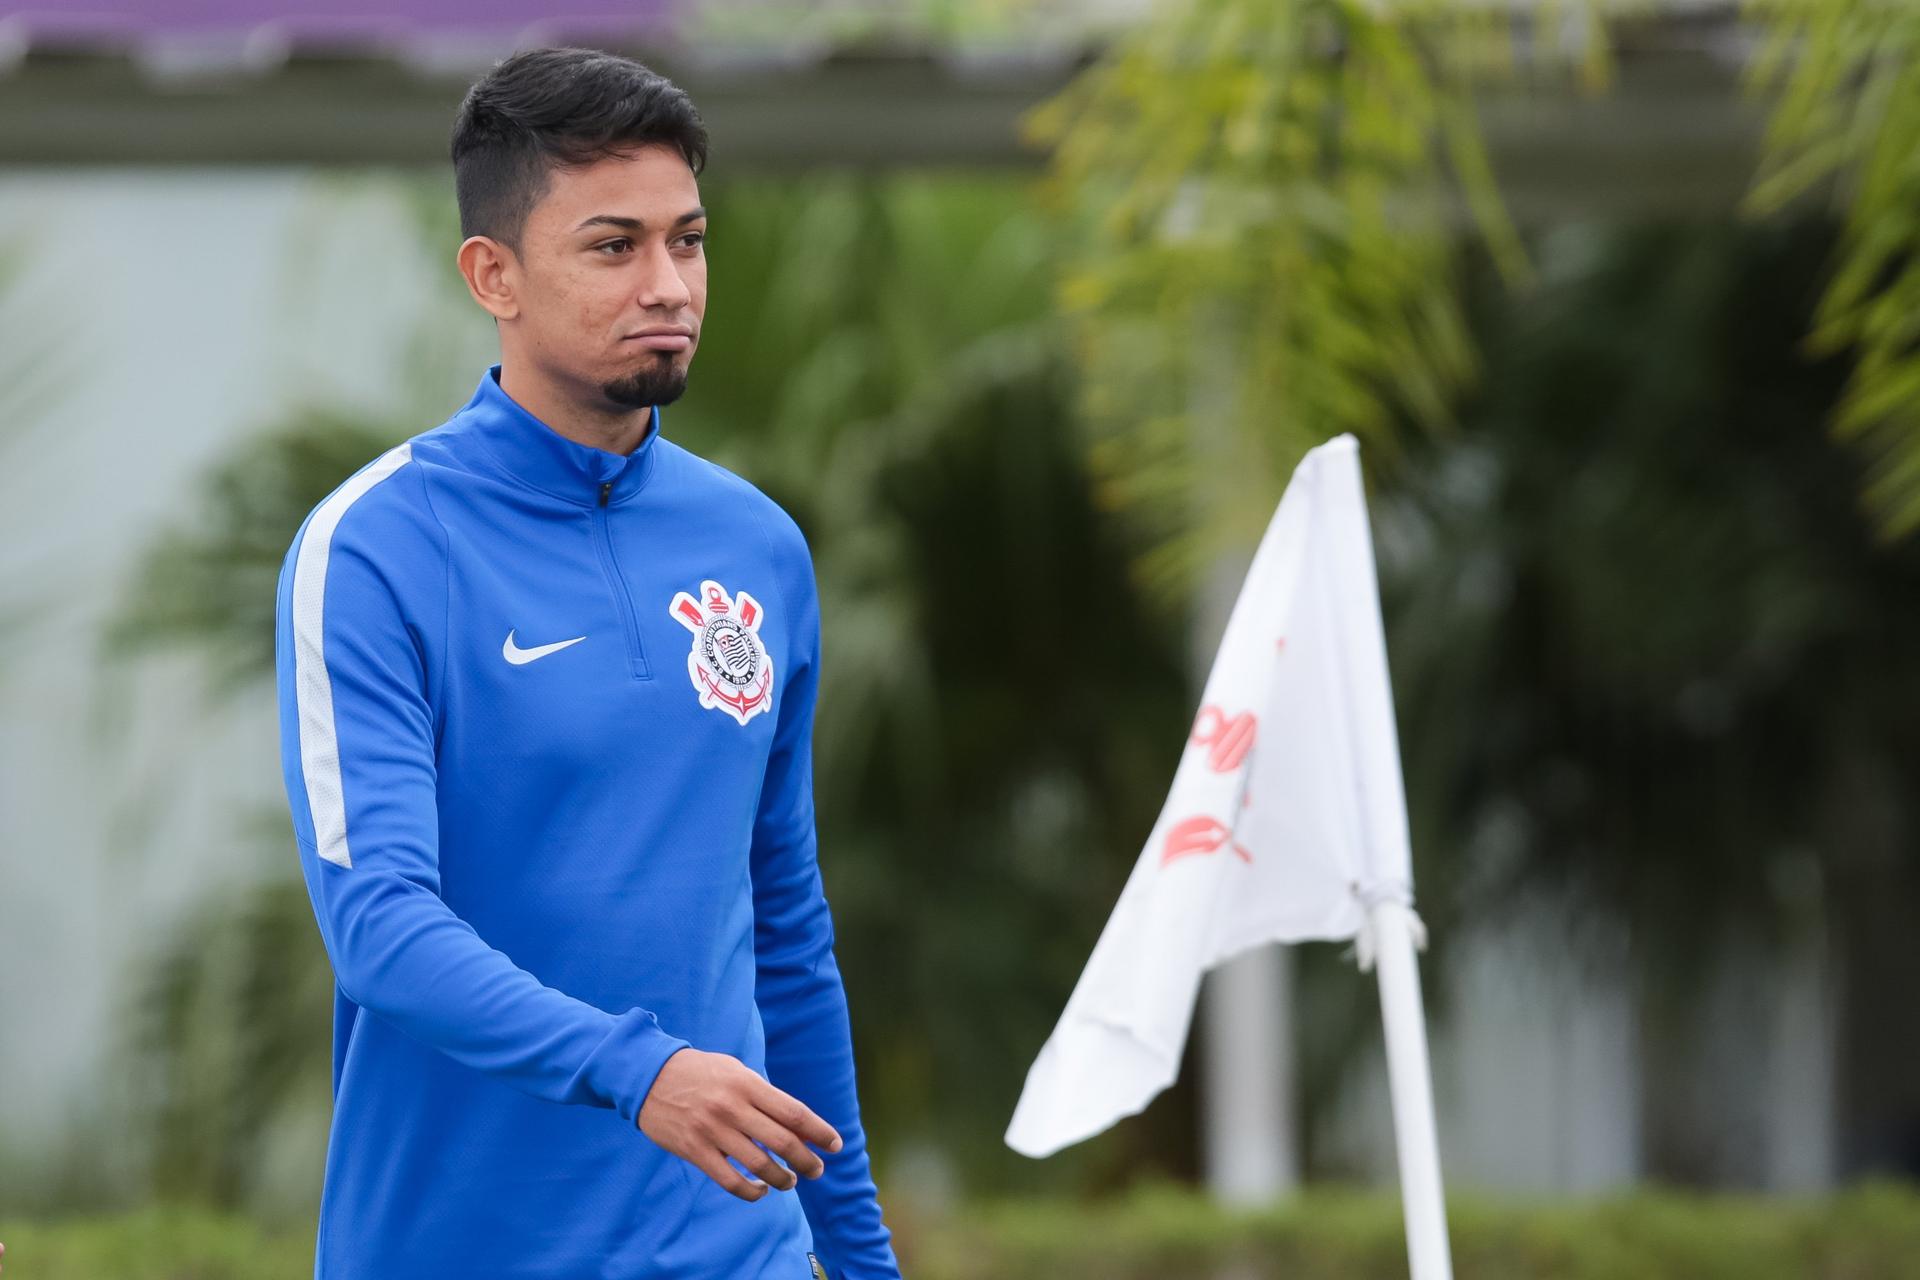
x,y
313,691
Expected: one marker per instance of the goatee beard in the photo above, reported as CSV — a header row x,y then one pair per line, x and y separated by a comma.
x,y
659,381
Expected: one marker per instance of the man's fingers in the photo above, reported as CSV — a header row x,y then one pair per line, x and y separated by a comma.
x,y
762,1165
715,1166
713,1107
792,1114
762,1127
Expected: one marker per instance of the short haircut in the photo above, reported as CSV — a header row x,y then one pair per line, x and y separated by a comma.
x,y
551,108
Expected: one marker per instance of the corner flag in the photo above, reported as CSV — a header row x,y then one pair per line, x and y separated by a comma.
x,y
1286,822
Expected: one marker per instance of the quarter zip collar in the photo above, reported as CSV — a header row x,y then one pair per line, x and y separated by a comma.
x,y
534,454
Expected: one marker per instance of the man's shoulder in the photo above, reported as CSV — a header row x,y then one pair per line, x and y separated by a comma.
x,y
728,485
382,505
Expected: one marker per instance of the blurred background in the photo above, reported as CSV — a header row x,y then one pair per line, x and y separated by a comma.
x,y
1025,311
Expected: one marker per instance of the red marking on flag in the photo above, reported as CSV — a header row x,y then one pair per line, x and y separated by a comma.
x,y
1197,835
1228,738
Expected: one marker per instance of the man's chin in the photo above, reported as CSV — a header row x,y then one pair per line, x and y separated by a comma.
x,y
656,383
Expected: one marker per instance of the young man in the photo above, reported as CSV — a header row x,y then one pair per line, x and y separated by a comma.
x,y
546,697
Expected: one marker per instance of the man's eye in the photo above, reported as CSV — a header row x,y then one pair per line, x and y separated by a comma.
x,y
695,237
618,246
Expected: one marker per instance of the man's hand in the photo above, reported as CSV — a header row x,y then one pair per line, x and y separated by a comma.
x,y
705,1107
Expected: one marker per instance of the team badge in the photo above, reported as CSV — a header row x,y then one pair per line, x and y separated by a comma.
x,y
729,666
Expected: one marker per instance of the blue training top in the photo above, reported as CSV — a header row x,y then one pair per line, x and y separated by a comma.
x,y
545,717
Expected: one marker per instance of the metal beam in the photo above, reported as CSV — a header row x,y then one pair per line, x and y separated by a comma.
x,y
1673,136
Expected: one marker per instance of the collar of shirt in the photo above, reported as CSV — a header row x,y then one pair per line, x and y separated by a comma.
x,y
533,453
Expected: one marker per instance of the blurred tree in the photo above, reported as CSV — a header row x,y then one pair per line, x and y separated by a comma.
x,y
210,583
1272,258
1622,602
41,358
1653,665
230,1041
1271,195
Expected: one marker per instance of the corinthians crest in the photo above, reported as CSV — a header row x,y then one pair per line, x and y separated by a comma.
x,y
729,666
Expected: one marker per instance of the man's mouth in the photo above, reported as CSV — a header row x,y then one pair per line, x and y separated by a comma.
x,y
662,339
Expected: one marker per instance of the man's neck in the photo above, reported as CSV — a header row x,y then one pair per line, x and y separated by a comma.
x,y
616,430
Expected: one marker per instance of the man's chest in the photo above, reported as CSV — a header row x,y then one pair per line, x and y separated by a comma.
x,y
606,632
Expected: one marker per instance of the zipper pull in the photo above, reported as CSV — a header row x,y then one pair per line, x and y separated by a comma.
x,y
605,489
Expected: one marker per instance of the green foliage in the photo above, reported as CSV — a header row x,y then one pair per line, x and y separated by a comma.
x,y
1159,1233
1268,194
1649,657
231,1037
1269,244
1847,117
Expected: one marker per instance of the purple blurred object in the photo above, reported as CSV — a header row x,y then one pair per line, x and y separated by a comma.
x,y
372,24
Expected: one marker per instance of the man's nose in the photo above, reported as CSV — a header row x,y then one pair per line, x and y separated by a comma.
x,y
661,285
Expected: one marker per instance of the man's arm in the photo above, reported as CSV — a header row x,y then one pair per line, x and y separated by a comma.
x,y
803,1004
362,595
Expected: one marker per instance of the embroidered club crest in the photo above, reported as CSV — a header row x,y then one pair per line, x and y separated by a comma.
x,y
729,666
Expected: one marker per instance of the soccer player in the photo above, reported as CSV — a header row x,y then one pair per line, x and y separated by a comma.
x,y
546,694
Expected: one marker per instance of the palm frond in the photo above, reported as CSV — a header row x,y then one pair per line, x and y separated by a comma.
x,y
40,361
1845,123
229,1026
208,583
1266,194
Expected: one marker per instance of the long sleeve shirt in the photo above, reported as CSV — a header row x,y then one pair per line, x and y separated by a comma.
x,y
546,716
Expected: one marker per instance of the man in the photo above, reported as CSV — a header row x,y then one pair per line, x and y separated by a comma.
x,y
546,695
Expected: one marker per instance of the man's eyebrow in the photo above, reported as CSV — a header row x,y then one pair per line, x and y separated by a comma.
x,y
635,224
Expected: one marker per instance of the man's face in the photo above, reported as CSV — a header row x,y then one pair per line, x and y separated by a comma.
x,y
614,249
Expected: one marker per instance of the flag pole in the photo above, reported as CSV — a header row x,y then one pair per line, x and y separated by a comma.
x,y
1410,1084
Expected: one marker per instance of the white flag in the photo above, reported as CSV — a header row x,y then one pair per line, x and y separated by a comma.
x,y
1286,820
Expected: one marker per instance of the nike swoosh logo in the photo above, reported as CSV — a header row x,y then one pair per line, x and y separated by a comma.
x,y
521,657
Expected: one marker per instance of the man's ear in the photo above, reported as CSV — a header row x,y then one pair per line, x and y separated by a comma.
x,y
492,272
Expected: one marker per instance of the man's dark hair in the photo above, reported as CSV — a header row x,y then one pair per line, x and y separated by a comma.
x,y
549,108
